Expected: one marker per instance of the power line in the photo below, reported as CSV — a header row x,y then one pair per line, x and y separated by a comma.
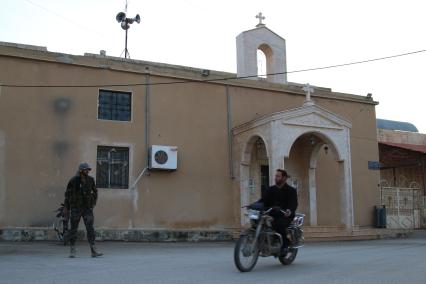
x,y
187,81
85,28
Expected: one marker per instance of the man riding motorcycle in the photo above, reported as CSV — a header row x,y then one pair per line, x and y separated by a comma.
x,y
283,199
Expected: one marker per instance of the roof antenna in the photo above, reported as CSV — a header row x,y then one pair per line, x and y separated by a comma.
x,y
125,25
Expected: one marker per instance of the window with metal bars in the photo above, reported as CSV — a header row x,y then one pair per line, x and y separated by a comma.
x,y
114,105
112,167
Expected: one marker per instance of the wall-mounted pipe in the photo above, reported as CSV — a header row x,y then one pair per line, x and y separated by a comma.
x,y
147,110
229,120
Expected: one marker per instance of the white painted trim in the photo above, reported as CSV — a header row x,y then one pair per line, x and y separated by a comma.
x,y
281,130
340,122
311,125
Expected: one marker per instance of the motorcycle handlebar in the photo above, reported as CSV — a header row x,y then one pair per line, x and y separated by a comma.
x,y
272,208
269,210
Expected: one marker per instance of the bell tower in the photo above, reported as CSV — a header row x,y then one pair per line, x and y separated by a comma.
x,y
272,45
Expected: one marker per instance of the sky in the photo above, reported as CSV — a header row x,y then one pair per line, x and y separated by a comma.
x,y
201,33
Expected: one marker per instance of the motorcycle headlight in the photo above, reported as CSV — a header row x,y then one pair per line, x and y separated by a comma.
x,y
253,214
299,219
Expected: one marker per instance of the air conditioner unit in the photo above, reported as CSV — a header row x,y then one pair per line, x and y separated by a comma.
x,y
163,157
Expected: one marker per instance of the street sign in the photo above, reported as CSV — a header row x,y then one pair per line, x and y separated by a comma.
x,y
373,165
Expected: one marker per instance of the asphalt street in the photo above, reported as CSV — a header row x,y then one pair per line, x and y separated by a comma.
x,y
379,261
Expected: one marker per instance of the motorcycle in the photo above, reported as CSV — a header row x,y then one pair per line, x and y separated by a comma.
x,y
60,225
261,240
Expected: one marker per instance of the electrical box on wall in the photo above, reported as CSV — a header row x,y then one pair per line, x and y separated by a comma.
x,y
163,157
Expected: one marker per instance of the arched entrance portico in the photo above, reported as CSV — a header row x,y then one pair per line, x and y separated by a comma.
x,y
280,131
316,173
255,169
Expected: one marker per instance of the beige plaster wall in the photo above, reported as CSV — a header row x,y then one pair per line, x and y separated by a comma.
x,y
328,193
45,143
2,177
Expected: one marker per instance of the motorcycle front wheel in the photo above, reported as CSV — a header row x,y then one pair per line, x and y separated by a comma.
x,y
289,257
245,257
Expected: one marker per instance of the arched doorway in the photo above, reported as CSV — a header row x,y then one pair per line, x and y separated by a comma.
x,y
283,131
316,172
254,172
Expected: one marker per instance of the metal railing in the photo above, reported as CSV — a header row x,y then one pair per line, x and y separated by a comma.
x,y
405,207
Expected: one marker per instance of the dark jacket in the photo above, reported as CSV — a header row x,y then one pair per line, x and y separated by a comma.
x,y
79,195
284,197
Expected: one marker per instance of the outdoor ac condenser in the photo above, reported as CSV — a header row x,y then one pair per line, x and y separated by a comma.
x,y
163,157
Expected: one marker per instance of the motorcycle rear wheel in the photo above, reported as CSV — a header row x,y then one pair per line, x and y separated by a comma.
x,y
289,257
244,259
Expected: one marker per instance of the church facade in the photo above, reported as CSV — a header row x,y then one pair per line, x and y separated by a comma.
x,y
228,138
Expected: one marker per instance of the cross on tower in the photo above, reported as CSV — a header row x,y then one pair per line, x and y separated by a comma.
x,y
309,90
261,18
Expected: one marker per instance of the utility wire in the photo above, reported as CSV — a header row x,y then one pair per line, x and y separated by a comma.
x,y
83,27
186,81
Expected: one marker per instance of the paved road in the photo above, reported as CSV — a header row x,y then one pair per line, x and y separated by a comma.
x,y
383,261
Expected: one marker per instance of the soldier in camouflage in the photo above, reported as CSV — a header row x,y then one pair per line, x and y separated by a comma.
x,y
80,199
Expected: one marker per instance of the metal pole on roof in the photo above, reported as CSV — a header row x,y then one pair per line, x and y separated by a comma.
x,y
126,51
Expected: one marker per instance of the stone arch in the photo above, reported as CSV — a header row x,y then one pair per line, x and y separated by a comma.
x,y
280,131
269,57
272,45
306,150
324,136
245,168
248,144
345,197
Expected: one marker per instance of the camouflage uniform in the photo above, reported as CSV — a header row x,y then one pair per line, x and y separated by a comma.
x,y
80,198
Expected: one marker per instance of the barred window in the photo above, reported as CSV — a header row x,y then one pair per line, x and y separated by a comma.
x,y
114,105
112,167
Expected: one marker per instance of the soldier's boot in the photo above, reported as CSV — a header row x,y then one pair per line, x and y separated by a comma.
x,y
72,251
95,253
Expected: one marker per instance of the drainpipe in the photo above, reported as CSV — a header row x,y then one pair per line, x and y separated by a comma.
x,y
147,109
229,118
133,189
423,174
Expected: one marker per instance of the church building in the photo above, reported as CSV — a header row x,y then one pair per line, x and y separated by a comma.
x,y
175,148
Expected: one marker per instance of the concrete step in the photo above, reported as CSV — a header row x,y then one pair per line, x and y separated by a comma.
x,y
314,234
131,235
339,233
359,234
323,229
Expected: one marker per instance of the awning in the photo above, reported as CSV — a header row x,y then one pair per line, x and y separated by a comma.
x,y
411,147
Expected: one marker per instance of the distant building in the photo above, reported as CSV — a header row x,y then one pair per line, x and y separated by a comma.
x,y
396,125
402,152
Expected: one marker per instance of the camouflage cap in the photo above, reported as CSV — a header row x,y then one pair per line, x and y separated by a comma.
x,y
84,166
